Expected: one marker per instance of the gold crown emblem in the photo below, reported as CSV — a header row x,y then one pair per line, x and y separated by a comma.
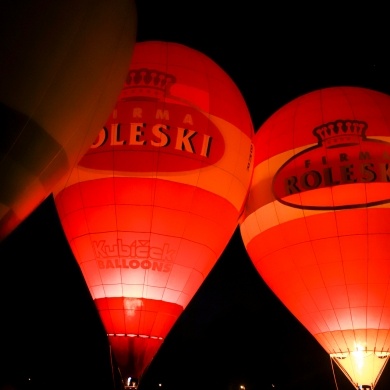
x,y
341,132
147,83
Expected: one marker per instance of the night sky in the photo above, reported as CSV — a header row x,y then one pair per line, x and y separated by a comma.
x,y
235,331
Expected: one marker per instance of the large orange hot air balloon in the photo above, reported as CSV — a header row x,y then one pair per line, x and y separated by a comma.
x,y
317,221
153,203
62,67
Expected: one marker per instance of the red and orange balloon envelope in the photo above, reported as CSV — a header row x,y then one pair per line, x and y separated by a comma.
x,y
62,67
317,221
154,202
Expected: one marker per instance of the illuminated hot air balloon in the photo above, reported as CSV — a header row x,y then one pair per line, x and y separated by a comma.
x,y
317,221
63,64
153,203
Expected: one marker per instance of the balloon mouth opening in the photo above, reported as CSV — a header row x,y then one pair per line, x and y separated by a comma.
x,y
132,335
361,366
344,355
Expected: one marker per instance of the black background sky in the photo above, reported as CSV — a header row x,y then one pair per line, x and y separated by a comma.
x,y
234,331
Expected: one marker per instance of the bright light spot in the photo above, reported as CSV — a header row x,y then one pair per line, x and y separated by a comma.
x,y
131,305
359,356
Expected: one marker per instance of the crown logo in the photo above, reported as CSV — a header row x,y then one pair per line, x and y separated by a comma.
x,y
341,132
149,83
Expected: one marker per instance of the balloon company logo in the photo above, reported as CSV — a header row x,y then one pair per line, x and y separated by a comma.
x,y
138,254
147,118
147,83
343,156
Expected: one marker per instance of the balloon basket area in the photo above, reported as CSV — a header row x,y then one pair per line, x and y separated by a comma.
x,y
131,384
